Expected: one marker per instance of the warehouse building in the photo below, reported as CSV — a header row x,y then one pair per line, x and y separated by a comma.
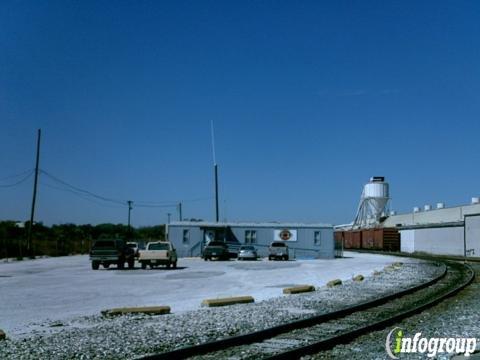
x,y
442,231
303,240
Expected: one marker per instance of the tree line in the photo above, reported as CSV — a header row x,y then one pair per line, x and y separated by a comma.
x,y
67,239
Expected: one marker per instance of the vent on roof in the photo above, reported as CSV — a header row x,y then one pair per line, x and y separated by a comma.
x,y
427,207
475,200
416,209
440,205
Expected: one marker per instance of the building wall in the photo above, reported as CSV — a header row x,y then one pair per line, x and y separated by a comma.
x,y
303,247
407,241
439,241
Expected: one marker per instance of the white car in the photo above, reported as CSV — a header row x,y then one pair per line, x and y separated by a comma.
x,y
247,252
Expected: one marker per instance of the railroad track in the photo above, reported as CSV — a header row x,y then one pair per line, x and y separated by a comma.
x,y
325,331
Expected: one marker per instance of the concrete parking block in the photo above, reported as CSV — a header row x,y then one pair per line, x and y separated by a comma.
x,y
358,278
150,310
335,282
299,289
228,301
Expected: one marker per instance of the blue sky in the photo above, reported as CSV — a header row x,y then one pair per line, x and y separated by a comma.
x,y
309,99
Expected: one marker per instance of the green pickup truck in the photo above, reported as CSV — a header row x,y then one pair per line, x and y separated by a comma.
x,y
108,252
216,250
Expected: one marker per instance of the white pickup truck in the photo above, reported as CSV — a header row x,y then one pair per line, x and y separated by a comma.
x,y
158,253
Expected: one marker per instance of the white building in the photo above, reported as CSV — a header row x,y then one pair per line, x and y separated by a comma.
x,y
442,231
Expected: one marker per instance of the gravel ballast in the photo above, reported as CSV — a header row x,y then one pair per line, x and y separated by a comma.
x,y
457,317
130,336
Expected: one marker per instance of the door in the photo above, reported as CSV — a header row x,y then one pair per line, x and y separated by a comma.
x,y
472,235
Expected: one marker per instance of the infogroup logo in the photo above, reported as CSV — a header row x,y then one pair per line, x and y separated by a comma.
x,y
397,343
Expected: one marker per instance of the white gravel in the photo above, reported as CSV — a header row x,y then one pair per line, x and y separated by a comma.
x,y
44,291
127,337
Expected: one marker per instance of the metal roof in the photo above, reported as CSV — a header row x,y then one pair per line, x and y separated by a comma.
x,y
251,224
446,215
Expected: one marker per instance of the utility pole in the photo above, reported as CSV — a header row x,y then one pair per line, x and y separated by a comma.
x,y
35,183
129,202
168,215
180,211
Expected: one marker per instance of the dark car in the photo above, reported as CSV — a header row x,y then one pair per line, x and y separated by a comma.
x,y
216,249
108,252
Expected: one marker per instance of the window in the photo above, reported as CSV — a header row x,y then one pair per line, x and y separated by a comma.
x,y
159,246
186,236
250,236
316,238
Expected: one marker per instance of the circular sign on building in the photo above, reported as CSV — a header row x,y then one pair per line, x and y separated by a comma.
x,y
285,235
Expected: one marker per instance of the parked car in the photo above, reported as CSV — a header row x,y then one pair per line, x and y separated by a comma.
x,y
247,252
158,253
134,245
217,250
278,250
108,252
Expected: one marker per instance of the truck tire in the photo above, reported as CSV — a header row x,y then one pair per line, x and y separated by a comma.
x,y
131,263
168,265
106,265
269,258
144,265
95,265
175,265
121,264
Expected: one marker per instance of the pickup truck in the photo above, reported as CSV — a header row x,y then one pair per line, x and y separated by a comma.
x,y
108,252
158,253
217,250
278,250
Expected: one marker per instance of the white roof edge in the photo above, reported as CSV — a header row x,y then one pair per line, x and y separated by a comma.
x,y
251,224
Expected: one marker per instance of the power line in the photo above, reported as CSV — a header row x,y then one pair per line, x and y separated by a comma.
x,y
54,178
82,196
19,181
86,194
16,175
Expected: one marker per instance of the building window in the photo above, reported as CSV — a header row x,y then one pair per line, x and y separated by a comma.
x,y
250,236
316,237
186,236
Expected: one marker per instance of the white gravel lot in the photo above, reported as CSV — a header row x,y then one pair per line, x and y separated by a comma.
x,y
128,337
35,293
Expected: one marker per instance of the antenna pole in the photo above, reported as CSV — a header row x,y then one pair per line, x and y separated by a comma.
x,y
215,167
35,183
216,192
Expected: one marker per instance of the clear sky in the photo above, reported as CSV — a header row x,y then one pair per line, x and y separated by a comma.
x,y
309,99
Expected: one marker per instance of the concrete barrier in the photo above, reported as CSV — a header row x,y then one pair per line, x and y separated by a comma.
x,y
393,266
335,282
358,278
150,310
3,336
299,289
228,301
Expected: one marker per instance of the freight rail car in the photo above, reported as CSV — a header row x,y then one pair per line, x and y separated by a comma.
x,y
371,239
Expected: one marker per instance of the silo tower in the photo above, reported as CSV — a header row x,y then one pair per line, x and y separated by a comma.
x,y
373,203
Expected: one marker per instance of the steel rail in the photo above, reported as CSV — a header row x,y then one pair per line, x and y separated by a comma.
x,y
346,337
